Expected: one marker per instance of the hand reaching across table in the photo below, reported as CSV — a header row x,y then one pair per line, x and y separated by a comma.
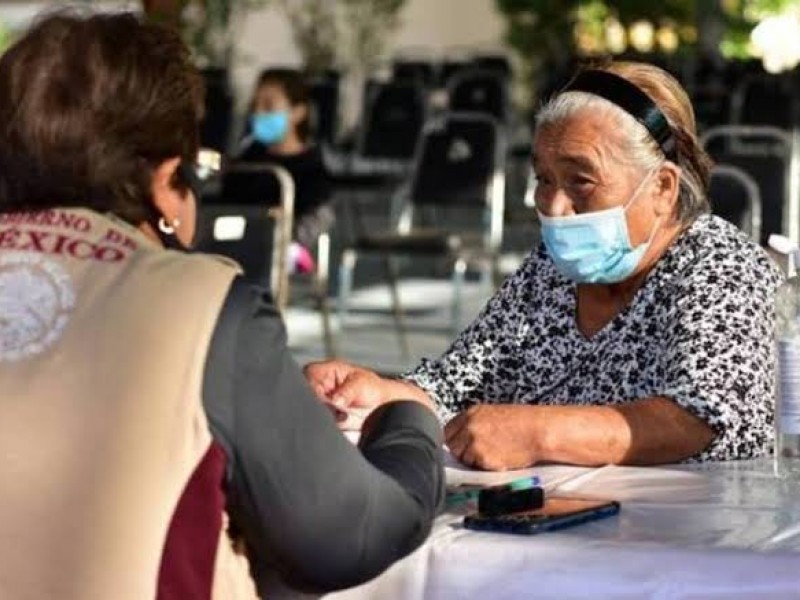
x,y
352,391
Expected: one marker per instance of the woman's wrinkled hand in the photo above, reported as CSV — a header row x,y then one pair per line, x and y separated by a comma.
x,y
494,437
350,391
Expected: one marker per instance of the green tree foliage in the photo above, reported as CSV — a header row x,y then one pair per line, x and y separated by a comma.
x,y
543,32
630,11
741,16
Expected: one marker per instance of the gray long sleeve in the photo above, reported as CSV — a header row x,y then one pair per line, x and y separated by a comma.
x,y
306,500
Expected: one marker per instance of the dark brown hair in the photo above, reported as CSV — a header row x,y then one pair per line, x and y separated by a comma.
x,y
89,105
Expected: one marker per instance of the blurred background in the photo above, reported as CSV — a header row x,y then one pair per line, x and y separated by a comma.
x,y
541,38
386,76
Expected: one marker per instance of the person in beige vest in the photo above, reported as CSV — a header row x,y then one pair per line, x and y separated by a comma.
x,y
157,439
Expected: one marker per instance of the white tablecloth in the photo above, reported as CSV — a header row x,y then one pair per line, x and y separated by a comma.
x,y
725,530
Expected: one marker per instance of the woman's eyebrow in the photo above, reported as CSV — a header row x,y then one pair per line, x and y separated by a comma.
x,y
572,160
578,161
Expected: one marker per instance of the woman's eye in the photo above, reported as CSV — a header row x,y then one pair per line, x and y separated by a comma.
x,y
581,185
581,181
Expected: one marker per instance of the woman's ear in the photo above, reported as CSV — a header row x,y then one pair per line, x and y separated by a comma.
x,y
166,197
177,206
667,189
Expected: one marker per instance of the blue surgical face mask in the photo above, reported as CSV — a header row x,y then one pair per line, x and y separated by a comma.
x,y
594,247
270,127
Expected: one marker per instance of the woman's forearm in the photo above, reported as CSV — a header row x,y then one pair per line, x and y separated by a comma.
x,y
649,431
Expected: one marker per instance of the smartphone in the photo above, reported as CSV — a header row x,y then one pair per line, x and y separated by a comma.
x,y
557,513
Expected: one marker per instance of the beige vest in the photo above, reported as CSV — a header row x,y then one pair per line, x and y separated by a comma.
x,y
103,340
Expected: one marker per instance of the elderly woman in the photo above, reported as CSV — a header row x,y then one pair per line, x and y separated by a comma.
x,y
639,333
157,440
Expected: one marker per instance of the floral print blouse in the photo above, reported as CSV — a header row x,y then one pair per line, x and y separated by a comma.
x,y
699,331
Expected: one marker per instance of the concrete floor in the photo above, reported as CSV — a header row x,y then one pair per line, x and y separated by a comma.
x,y
369,337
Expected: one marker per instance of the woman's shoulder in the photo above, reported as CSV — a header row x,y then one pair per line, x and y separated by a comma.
x,y
714,249
196,270
538,273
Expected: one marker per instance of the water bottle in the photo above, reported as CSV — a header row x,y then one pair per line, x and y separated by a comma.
x,y
787,329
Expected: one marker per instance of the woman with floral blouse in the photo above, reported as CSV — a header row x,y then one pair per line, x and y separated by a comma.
x,y
639,332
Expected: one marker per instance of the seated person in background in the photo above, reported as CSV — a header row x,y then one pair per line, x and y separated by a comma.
x,y
640,332
148,404
278,133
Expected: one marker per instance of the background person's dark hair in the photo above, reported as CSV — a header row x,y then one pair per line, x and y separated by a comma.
x,y
89,105
294,85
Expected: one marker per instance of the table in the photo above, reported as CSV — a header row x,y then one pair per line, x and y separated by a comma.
x,y
722,530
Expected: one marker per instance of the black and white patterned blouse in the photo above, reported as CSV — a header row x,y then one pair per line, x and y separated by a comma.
x,y
698,331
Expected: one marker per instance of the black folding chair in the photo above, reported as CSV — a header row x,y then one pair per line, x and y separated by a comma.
x,y
406,70
394,114
712,105
458,178
324,97
251,222
450,67
480,91
769,156
524,213
216,124
496,63
765,100
734,196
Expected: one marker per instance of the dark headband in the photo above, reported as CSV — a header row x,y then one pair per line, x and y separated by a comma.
x,y
632,100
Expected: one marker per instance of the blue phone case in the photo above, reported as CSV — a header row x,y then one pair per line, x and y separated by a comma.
x,y
529,524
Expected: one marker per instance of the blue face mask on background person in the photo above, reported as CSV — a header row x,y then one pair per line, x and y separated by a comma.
x,y
594,247
270,127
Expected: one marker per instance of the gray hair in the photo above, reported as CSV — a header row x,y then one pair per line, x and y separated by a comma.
x,y
641,149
